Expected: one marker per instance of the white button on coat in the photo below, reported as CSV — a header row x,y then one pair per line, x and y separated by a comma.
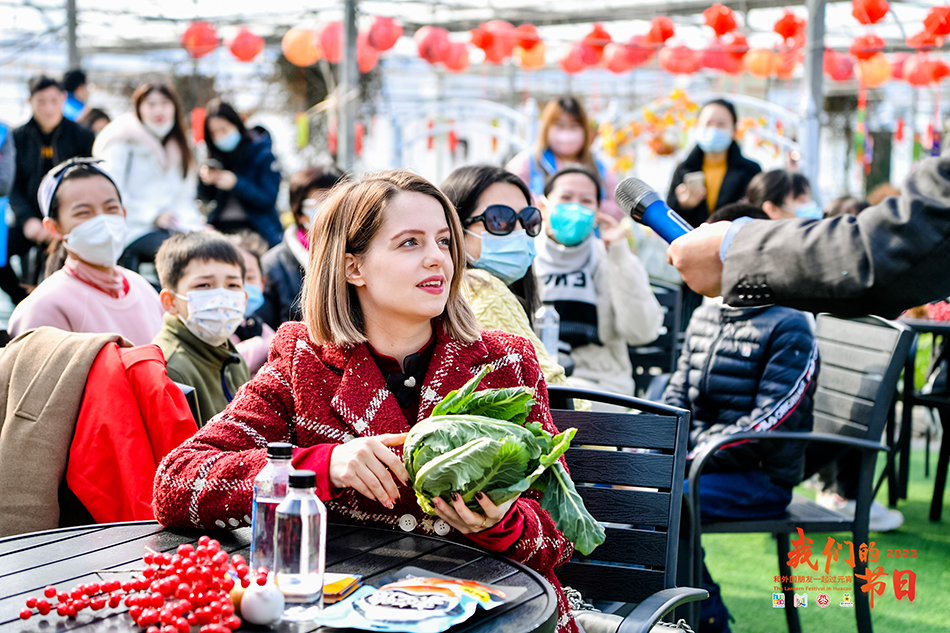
x,y
441,527
407,522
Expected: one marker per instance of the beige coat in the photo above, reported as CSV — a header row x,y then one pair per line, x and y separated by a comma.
x,y
42,379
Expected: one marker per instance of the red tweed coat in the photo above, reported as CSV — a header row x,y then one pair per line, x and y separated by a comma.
x,y
322,395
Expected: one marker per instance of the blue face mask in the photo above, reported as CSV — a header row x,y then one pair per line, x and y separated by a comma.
x,y
713,139
571,223
505,256
809,210
255,299
228,142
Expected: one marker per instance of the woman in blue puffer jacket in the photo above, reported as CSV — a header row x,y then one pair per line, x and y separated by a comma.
x,y
745,369
241,176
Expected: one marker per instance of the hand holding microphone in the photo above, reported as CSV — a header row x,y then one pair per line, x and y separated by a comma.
x,y
694,252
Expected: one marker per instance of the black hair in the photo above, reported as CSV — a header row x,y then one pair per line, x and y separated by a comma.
x,y
308,179
728,106
575,168
464,187
775,186
846,205
180,249
73,79
222,110
737,210
91,116
42,82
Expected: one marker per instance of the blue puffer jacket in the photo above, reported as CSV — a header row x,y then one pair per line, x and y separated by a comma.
x,y
748,369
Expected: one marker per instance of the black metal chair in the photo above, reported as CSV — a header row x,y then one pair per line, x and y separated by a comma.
x,y
659,357
637,494
861,360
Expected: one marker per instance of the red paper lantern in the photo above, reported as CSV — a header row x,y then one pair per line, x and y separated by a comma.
x,y
573,61
790,26
869,11
455,57
481,38
924,41
661,29
501,43
921,70
593,44
527,36
383,33
897,65
616,58
300,47
246,46
866,46
199,39
784,63
874,71
837,66
717,57
736,44
720,19
331,41
366,56
533,58
680,60
198,124
938,21
639,50
432,43
759,62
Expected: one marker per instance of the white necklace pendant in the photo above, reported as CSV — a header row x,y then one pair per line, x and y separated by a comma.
x,y
410,382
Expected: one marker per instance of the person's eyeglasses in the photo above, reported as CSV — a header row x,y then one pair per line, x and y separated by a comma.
x,y
501,219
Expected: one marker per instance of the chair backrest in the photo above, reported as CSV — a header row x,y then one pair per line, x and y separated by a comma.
x,y
861,360
638,495
660,355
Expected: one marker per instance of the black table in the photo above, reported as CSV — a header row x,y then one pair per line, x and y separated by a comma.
x,y
70,556
912,398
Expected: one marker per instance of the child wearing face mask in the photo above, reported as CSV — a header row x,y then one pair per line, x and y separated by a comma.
x,y
253,337
597,285
565,138
202,276
82,209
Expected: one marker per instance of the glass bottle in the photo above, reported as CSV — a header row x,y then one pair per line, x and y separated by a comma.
x,y
301,547
547,325
270,488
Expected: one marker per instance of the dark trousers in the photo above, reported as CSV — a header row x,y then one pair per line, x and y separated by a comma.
x,y
748,494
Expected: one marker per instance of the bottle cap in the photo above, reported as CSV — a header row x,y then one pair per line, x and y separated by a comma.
x,y
280,450
303,479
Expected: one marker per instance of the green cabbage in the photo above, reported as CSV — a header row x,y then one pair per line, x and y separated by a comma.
x,y
478,441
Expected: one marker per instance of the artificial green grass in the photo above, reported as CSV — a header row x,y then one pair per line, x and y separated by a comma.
x,y
745,566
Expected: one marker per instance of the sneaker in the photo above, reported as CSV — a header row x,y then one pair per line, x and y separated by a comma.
x,y
881,519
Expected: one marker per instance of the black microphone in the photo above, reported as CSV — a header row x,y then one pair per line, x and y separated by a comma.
x,y
647,207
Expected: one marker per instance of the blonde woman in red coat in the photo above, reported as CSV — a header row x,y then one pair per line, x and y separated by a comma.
x,y
385,336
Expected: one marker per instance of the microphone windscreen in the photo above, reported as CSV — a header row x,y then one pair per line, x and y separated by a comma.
x,y
630,192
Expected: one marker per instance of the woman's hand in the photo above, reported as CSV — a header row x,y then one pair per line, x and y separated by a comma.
x,y
464,520
610,229
167,220
367,465
220,178
689,197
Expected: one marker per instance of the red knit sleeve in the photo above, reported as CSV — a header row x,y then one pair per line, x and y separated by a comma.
x,y
207,482
317,459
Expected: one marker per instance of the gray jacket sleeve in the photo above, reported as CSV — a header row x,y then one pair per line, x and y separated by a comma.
x,y
891,257
7,164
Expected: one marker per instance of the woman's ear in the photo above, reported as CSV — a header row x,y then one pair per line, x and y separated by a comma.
x,y
774,212
352,268
52,227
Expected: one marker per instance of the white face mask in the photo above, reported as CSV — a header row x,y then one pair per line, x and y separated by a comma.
x,y
214,315
161,131
99,241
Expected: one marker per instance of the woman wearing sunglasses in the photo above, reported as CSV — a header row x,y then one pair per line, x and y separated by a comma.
x,y
597,285
500,225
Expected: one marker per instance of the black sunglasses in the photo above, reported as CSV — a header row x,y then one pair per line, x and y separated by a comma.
x,y
501,219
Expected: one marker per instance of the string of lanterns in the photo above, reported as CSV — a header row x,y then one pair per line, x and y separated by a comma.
x,y
728,52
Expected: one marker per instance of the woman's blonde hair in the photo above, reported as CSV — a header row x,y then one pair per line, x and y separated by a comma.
x,y
349,219
572,108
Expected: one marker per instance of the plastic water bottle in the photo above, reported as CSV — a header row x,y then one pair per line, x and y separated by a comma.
x,y
547,325
301,547
270,488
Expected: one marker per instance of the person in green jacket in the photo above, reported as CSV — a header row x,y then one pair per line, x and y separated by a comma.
x,y
202,277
